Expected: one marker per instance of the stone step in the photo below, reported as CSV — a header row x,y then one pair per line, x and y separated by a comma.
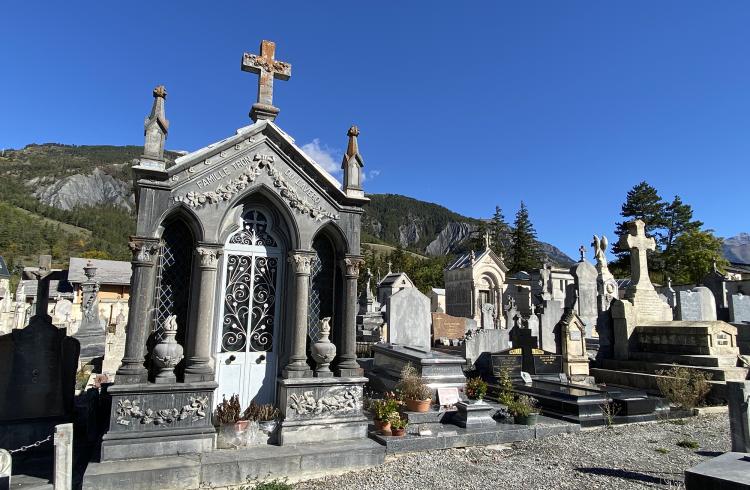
x,y
685,359
222,468
717,373
647,381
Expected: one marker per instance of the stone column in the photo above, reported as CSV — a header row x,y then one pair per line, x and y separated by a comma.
x,y
63,479
347,365
142,285
198,362
297,367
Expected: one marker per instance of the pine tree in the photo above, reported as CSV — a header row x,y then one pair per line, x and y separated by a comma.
x,y
642,202
525,251
678,219
500,234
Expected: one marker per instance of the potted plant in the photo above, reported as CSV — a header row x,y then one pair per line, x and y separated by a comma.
x,y
382,411
523,410
416,394
231,426
398,425
475,389
264,418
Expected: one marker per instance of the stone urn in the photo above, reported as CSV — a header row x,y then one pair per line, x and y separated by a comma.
x,y
323,351
167,353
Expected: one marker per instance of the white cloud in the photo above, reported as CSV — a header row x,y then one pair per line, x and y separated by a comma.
x,y
370,176
323,155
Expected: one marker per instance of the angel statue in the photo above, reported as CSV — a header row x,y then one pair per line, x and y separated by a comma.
x,y
600,250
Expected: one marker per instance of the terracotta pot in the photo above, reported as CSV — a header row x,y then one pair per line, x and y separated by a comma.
x,y
398,432
382,426
418,405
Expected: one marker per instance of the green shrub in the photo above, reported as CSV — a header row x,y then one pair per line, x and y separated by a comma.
x,y
506,388
686,388
382,409
661,450
688,444
522,406
475,388
273,485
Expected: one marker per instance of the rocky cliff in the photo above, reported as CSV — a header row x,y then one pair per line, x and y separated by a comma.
x,y
737,248
97,188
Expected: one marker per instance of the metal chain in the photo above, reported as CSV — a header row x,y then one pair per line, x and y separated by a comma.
x,y
31,446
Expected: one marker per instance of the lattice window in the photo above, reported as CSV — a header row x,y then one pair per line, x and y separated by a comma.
x,y
322,272
173,279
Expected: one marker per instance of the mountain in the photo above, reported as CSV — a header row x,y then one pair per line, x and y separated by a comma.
x,y
426,227
737,248
90,187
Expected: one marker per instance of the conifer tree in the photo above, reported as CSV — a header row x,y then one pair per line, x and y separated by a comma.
x,y
500,234
525,252
642,202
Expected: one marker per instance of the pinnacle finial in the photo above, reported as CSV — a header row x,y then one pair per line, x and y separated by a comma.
x,y
353,147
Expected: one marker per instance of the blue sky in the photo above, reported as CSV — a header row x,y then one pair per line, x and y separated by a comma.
x,y
563,104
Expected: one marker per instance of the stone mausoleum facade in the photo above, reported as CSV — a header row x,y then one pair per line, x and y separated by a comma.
x,y
242,248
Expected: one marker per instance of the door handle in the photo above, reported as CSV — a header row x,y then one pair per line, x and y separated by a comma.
x,y
261,358
231,359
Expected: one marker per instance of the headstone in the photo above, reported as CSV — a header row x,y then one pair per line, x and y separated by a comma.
x,y
738,397
696,304
115,345
447,326
575,358
409,318
63,310
739,308
705,338
6,464
550,313
585,276
545,363
63,478
488,315
448,396
510,360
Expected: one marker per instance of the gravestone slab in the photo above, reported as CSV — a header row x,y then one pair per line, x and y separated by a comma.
x,y
739,308
705,338
696,304
510,360
447,326
409,318
63,311
586,292
738,395
479,344
488,315
545,362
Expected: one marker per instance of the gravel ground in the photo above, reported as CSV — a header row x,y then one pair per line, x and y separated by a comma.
x,y
623,457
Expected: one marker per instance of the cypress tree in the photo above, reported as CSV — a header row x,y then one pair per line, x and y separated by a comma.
x,y
525,251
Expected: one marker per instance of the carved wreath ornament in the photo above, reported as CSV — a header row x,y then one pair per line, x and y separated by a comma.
x,y
260,163
306,404
127,411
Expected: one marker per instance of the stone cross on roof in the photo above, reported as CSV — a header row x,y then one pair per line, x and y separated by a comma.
x,y
638,243
582,251
268,68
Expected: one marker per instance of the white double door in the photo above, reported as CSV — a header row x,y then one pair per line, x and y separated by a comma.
x,y
247,324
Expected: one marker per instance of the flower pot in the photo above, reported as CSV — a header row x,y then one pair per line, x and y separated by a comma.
x,y
398,432
382,426
418,405
266,433
232,436
529,419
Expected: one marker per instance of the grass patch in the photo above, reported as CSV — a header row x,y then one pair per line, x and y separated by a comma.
x,y
661,450
688,444
678,422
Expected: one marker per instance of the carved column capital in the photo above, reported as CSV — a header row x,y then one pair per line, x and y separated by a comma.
x,y
352,264
300,261
144,250
209,255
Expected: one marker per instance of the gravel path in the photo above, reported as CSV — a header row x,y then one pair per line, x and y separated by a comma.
x,y
632,456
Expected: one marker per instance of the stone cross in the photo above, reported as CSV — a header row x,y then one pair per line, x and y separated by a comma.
x,y
268,68
582,251
639,244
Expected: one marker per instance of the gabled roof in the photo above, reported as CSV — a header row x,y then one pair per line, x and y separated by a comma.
x,y
268,128
58,286
393,277
4,272
107,271
464,261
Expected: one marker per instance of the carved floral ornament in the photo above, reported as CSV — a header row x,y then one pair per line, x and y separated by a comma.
x,y
209,256
307,404
143,249
301,262
128,411
261,163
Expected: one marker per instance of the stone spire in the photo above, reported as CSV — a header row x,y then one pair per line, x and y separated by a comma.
x,y
352,165
267,67
155,131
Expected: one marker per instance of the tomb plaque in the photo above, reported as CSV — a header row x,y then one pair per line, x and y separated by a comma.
x,y
546,363
510,360
448,396
575,334
447,326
